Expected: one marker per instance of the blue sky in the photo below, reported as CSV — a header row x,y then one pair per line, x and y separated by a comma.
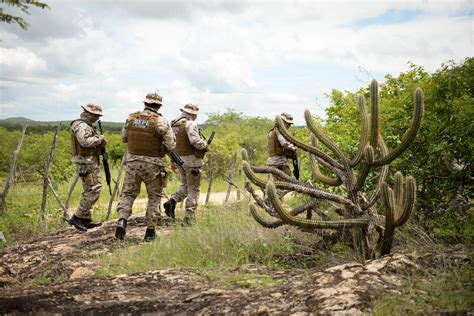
x,y
258,57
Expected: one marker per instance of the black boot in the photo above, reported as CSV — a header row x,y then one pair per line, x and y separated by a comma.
x,y
88,223
169,206
149,234
77,223
121,228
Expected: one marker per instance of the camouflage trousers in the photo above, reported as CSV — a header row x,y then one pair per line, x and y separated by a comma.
x,y
286,170
188,189
91,183
154,178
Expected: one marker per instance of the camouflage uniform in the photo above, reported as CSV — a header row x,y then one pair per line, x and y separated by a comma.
x,y
146,168
279,150
190,147
86,144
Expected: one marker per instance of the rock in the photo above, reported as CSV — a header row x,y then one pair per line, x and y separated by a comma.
x,y
80,273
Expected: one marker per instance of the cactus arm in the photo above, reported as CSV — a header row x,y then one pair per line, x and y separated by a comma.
x,y
374,114
382,177
408,203
364,135
277,223
300,144
324,139
398,194
313,192
275,172
258,200
298,187
252,176
410,134
308,223
316,172
387,197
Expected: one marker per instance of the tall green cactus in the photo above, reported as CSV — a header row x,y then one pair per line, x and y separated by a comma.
x,y
399,204
351,173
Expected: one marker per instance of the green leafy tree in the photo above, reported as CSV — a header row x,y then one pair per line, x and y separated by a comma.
x,y
24,6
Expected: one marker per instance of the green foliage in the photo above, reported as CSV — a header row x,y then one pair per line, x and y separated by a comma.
x,y
235,130
24,6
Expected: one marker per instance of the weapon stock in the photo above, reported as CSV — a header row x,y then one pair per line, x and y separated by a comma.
x,y
176,159
105,157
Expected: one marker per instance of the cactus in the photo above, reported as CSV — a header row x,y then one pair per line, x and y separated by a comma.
x,y
398,203
348,172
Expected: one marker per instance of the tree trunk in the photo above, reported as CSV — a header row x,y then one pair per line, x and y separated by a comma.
x,y
3,204
46,174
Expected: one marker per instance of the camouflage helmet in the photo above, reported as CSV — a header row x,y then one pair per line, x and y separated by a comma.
x,y
93,109
287,117
190,108
153,98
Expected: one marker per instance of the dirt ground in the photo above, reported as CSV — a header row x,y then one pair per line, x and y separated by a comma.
x,y
67,258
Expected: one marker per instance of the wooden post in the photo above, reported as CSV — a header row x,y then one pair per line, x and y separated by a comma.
x,y
65,210
117,185
71,190
231,175
3,204
238,191
46,174
210,178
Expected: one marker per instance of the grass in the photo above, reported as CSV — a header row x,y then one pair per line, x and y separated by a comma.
x,y
220,239
448,291
20,221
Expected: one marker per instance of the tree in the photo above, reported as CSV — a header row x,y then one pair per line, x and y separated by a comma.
x,y
24,6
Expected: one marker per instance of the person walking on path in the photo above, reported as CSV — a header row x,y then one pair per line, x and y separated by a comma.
x,y
191,147
149,137
87,145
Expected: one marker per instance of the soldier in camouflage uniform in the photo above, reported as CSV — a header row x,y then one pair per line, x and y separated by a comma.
x,y
280,150
87,145
191,148
149,137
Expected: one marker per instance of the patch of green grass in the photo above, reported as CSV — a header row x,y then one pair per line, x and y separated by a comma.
x,y
447,291
42,280
221,238
249,280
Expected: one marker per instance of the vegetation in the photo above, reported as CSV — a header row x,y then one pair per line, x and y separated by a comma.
x,y
24,6
439,158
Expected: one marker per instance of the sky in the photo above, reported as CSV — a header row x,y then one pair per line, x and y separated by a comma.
x,y
260,58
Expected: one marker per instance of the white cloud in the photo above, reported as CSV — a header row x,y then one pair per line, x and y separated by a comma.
x,y
21,59
219,54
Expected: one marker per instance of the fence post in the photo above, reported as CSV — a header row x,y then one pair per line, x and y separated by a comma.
x,y
46,174
3,204
210,178
231,175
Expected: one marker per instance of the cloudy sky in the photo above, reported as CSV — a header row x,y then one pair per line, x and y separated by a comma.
x,y
258,57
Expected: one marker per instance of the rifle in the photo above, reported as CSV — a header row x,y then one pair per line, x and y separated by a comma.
x,y
176,159
296,168
105,156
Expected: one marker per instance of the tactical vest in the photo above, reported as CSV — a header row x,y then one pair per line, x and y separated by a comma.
x,y
274,147
77,149
183,145
143,137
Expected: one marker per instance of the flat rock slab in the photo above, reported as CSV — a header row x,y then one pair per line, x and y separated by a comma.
x,y
347,288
